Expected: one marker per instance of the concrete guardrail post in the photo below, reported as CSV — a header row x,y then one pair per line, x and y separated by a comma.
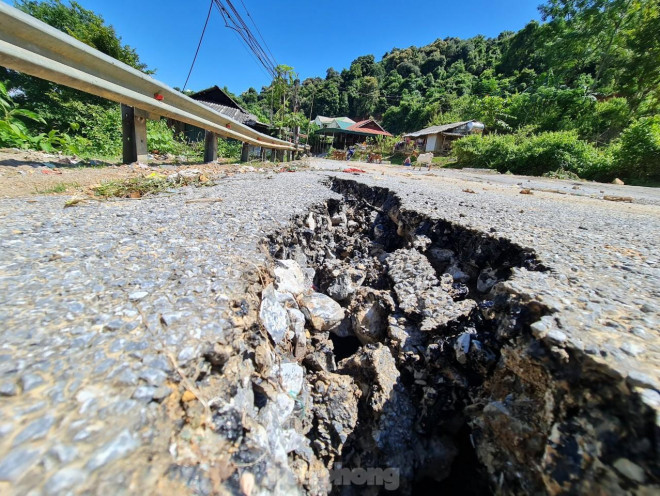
x,y
245,152
134,130
210,147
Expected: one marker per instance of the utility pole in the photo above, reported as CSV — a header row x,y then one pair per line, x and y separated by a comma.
x,y
296,129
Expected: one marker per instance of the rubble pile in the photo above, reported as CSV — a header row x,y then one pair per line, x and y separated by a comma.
x,y
383,339
418,356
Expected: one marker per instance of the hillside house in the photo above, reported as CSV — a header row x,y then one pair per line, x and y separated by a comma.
x,y
438,139
219,101
332,122
345,132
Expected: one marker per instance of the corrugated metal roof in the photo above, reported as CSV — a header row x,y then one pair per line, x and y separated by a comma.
x,y
343,124
436,129
233,113
358,127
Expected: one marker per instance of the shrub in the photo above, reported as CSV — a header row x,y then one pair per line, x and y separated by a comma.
x,y
531,155
637,155
162,139
229,148
553,151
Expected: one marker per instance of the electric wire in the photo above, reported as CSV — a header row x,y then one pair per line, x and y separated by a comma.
x,y
259,32
233,20
245,27
199,45
250,54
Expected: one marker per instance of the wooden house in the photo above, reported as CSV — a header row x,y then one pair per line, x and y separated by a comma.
x,y
219,101
438,139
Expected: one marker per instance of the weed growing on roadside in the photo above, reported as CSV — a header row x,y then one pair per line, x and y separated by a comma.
x,y
58,188
138,187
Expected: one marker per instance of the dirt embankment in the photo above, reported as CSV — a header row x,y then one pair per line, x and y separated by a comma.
x,y
26,173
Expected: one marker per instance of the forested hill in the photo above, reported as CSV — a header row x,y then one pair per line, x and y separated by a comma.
x,y
590,65
575,94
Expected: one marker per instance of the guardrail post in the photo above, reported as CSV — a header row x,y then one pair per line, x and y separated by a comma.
x,y
245,152
288,156
210,147
272,155
134,130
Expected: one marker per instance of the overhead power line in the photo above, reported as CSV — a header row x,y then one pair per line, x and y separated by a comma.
x,y
199,45
234,20
258,31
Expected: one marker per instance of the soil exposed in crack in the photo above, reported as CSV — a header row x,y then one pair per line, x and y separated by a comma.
x,y
422,331
393,352
422,361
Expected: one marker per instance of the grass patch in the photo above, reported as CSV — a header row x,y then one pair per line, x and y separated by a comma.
x,y
58,188
444,161
138,187
73,202
562,174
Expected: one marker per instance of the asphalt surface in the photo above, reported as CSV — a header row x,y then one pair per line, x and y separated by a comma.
x,y
100,303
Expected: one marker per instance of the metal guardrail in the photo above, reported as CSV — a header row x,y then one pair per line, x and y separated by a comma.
x,y
33,47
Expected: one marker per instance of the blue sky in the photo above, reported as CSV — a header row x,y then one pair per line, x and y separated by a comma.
x,y
308,35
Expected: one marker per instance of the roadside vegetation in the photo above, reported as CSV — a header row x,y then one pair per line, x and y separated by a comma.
x,y
41,115
575,94
145,185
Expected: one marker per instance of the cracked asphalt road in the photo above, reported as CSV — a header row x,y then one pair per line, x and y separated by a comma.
x,y
99,304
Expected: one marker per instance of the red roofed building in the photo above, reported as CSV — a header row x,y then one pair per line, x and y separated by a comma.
x,y
347,133
369,127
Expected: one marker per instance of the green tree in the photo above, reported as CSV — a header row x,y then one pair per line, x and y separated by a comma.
x,y
65,109
590,36
85,26
367,99
638,155
641,77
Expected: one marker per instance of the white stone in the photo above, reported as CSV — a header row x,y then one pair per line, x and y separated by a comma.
x,y
290,376
630,470
137,295
321,311
311,223
65,479
120,446
289,277
273,315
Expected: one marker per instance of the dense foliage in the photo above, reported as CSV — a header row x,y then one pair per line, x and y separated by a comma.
x,y
579,91
571,85
535,154
55,117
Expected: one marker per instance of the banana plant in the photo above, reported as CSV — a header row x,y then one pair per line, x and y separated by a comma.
x,y
13,131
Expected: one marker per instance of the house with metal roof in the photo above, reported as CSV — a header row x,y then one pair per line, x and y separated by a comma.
x,y
346,132
438,139
215,98
220,101
331,122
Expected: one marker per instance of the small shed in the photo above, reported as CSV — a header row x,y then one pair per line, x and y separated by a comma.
x,y
438,139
